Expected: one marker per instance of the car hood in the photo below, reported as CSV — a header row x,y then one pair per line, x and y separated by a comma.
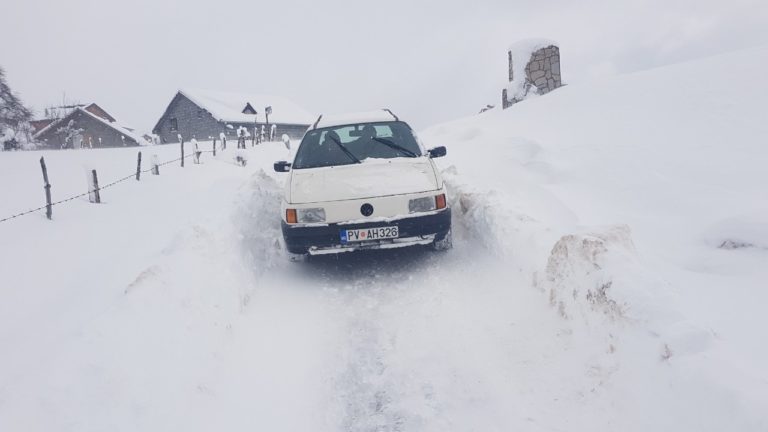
x,y
372,178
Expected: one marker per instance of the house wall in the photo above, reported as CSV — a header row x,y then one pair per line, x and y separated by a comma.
x,y
296,132
93,129
193,121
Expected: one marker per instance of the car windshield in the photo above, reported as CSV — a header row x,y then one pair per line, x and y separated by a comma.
x,y
350,144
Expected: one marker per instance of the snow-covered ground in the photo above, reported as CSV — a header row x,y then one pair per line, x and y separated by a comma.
x,y
608,274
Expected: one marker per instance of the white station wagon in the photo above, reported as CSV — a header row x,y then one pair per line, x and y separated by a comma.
x,y
363,181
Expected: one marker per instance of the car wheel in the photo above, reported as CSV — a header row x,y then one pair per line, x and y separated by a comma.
x,y
443,244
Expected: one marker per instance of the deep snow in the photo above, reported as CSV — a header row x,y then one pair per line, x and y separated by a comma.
x,y
589,288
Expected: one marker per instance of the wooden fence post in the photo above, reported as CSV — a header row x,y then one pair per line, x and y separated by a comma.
x,y
214,147
138,168
155,166
196,152
47,187
94,195
182,153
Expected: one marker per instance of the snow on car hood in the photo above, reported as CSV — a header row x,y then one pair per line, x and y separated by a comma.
x,y
372,177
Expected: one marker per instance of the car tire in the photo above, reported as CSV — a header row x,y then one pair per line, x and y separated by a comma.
x,y
444,243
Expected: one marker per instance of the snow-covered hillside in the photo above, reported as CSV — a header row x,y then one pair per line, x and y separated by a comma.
x,y
652,187
608,274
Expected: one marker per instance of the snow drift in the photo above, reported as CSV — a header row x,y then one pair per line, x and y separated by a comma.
x,y
636,205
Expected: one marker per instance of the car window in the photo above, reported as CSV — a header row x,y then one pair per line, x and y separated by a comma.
x,y
348,144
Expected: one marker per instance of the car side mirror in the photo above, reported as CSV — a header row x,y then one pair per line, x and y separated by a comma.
x,y
282,166
437,152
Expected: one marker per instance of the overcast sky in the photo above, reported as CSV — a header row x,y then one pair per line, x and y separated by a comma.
x,y
429,61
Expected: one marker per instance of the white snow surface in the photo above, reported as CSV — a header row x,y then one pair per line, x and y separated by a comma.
x,y
588,288
228,107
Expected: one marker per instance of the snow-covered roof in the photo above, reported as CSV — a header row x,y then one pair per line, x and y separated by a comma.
x,y
48,127
228,107
124,130
381,115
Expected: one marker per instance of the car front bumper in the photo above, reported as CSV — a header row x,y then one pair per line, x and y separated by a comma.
x,y
326,238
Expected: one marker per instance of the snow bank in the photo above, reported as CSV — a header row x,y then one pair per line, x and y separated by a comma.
x,y
635,206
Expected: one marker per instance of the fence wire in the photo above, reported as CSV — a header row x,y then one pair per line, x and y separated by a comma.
x,y
133,175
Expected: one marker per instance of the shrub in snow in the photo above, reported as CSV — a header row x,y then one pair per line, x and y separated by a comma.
x,y
241,158
15,131
70,134
748,231
487,107
243,132
8,140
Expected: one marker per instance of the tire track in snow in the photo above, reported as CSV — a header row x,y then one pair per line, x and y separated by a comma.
x,y
377,387
411,356
368,387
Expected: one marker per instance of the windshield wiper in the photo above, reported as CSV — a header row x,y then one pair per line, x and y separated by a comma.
x,y
344,149
397,147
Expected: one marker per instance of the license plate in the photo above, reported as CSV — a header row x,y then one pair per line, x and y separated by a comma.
x,y
366,234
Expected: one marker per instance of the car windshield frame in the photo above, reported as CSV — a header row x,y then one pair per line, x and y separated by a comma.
x,y
333,145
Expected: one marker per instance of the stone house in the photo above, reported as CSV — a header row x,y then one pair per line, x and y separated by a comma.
x,y
204,114
534,68
84,126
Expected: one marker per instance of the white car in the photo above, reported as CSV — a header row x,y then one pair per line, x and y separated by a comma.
x,y
363,181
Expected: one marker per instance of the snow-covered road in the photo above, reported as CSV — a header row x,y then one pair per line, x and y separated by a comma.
x,y
204,325
587,289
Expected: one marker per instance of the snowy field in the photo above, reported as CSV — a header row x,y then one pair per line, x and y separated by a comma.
x,y
608,274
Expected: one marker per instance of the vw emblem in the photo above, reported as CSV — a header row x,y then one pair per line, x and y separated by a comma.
x,y
366,209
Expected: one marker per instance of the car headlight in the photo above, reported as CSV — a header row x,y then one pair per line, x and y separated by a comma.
x,y
310,215
424,204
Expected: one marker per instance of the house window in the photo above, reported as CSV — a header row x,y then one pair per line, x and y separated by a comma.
x,y
174,124
199,114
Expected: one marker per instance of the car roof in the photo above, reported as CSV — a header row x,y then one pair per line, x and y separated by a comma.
x,y
382,115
